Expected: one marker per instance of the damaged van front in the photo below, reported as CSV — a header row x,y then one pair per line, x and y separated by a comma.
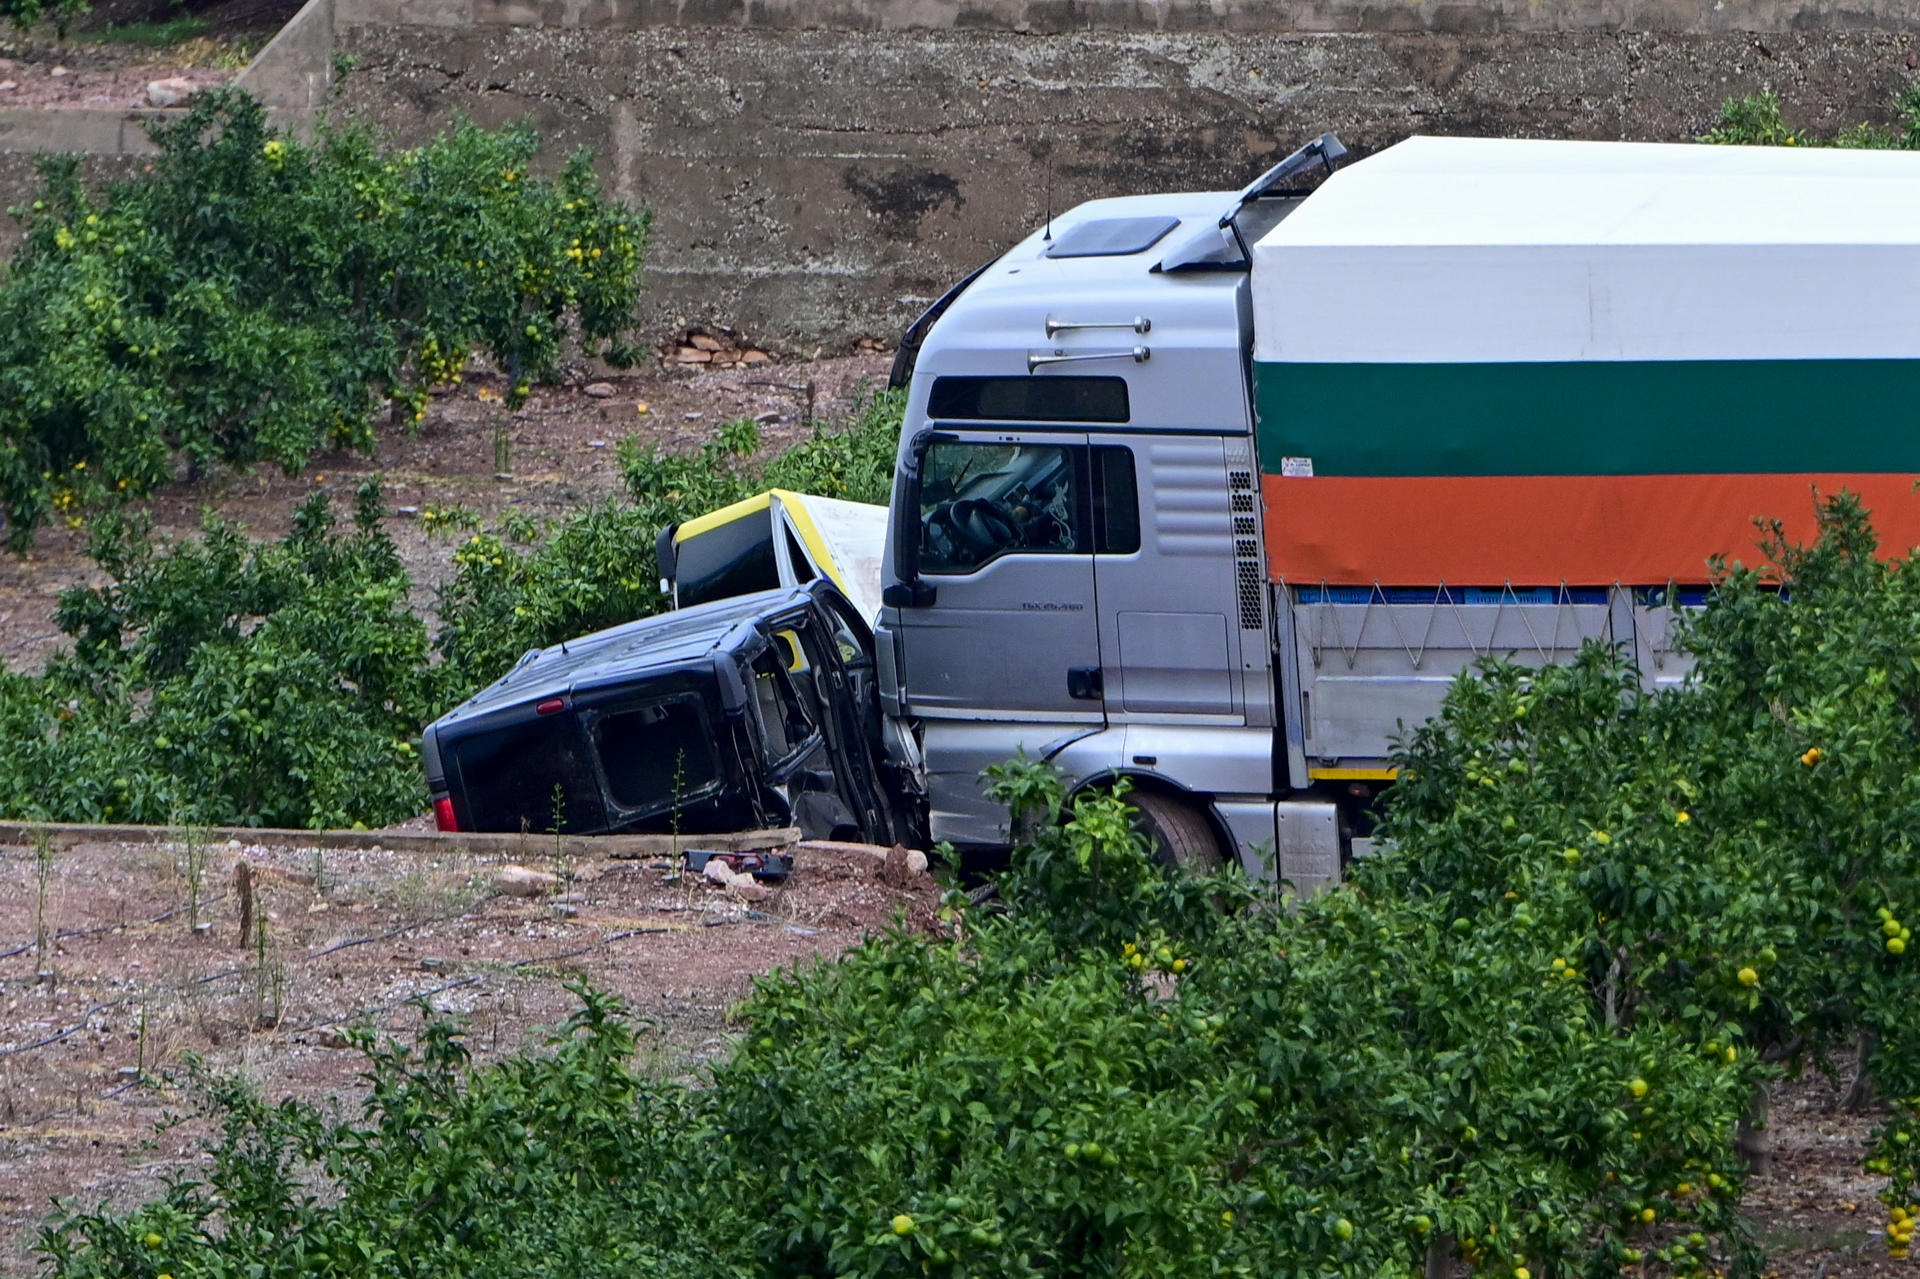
x,y
756,711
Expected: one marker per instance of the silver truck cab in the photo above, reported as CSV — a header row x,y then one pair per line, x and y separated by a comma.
x,y
1074,566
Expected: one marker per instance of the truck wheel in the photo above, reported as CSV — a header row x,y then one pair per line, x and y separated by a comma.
x,y
1178,833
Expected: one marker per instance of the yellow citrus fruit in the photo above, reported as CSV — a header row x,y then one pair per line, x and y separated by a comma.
x,y
1813,756
154,1240
1895,946
1748,977
1638,1087
1647,1215
903,1225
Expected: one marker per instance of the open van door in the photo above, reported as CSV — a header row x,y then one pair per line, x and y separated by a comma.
x,y
775,539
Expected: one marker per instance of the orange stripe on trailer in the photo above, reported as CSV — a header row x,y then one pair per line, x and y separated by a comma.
x,y
1541,530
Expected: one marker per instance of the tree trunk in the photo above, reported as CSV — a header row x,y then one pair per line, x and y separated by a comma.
x,y
1860,1096
1752,1140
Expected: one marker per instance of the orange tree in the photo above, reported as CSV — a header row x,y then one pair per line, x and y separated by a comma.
x,y
1120,1073
250,296
1735,860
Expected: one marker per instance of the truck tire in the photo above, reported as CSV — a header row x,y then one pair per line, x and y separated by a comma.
x,y
1178,833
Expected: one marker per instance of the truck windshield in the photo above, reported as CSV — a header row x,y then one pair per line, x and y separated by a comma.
x,y
983,499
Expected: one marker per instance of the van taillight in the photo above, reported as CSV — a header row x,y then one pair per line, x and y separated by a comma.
x,y
443,814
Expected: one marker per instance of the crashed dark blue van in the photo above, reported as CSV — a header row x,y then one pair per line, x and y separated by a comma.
x,y
755,711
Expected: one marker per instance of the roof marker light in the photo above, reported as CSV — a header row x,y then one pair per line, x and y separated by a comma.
x,y
551,705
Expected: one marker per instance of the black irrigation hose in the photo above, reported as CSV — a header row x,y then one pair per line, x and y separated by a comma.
x,y
308,959
65,933
210,978
135,1082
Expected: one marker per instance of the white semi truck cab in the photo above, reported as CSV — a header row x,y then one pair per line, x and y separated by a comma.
x,y
1218,492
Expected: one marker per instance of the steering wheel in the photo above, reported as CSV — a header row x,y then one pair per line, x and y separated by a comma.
x,y
980,525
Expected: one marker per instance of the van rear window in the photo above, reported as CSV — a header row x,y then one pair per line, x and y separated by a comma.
x,y
657,756
521,777
1029,399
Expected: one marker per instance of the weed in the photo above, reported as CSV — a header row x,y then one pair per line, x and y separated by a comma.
x,y
163,34
43,878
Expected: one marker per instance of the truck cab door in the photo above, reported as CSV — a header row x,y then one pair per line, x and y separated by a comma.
x,y
1009,630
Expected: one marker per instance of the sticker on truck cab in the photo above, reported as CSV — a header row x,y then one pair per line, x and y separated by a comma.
x,y
1297,467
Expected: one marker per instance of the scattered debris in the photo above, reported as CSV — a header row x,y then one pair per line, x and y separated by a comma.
x,y
518,881
171,92
717,870
768,867
599,390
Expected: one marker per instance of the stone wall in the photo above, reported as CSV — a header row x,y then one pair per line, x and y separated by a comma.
x,y
819,170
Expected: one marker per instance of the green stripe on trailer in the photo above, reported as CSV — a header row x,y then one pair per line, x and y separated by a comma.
x,y
1593,417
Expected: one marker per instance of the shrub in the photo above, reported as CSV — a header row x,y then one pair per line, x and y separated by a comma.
x,y
228,681
252,297
556,1163
1755,120
1736,858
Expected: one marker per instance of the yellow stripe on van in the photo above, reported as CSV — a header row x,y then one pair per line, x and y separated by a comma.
x,y
1353,774
725,515
795,505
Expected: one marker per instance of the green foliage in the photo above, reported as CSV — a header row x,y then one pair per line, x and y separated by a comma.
x,y
254,297
1229,1090
1736,859
284,684
1755,120
598,568
153,33
25,13
558,1163
234,682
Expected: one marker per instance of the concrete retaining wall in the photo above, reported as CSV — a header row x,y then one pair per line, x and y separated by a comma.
x,y
811,186
820,169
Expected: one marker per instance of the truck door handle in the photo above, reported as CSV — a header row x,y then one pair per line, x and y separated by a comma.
x,y
1084,684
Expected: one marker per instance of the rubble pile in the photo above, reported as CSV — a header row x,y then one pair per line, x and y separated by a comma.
x,y
718,349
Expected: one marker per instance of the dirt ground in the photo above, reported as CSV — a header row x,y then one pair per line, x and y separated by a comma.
x,y
92,1027
563,445
59,84
38,69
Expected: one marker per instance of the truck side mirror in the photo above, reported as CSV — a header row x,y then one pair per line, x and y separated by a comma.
x,y
910,591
